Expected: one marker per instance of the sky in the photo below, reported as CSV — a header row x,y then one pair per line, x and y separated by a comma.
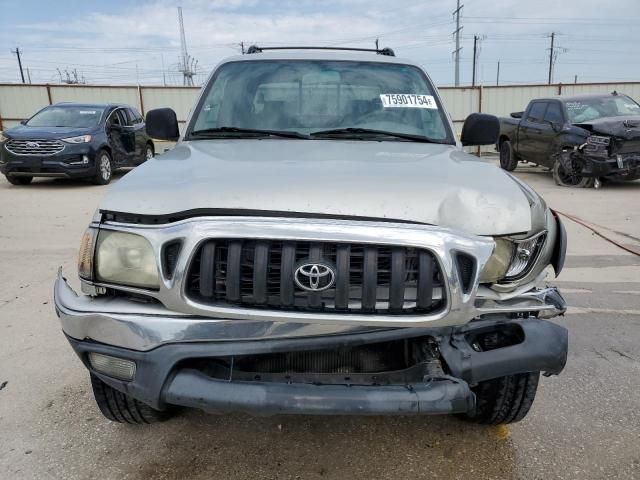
x,y
130,42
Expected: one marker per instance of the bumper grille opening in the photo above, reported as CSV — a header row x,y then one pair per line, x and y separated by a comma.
x,y
393,362
366,278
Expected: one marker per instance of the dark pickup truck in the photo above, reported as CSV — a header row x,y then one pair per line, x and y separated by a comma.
x,y
581,138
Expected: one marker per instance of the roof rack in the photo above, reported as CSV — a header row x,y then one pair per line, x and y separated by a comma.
x,y
383,51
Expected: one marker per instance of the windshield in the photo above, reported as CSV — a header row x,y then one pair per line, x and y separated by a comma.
x,y
588,109
316,96
79,117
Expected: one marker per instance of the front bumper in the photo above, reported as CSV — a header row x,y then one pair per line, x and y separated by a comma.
x,y
624,165
162,378
74,161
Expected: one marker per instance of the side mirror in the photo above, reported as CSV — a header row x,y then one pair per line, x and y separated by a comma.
x,y
516,114
480,129
162,124
23,122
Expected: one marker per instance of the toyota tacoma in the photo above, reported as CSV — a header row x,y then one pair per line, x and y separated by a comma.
x,y
318,242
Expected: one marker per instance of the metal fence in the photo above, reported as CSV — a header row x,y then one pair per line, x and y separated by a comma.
x,y
18,102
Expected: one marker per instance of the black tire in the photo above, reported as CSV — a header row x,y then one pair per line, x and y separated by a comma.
x,y
19,180
119,407
104,168
149,152
507,159
505,399
565,178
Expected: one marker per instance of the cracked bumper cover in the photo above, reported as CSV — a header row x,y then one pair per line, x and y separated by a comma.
x,y
158,341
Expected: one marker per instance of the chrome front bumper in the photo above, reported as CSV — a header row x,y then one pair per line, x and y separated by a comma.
x,y
142,327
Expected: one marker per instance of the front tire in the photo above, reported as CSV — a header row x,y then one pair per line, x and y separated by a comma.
x,y
505,399
149,152
507,158
569,178
122,408
19,180
104,168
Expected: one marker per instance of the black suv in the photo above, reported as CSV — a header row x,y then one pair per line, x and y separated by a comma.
x,y
73,140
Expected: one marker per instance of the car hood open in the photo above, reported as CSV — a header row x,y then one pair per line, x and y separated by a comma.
x,y
404,181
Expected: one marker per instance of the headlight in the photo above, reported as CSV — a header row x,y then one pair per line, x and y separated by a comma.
x,y
498,264
3,138
512,259
125,258
78,139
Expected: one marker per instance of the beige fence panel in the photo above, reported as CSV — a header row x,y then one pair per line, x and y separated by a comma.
x,y
21,101
89,94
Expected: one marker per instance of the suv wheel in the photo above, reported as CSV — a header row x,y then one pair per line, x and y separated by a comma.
x,y
120,407
148,152
505,399
19,180
507,159
104,168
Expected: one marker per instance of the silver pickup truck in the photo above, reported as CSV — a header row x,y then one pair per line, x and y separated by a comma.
x,y
318,242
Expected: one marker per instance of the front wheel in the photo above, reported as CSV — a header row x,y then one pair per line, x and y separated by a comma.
x,y
569,176
19,180
104,168
149,152
507,159
505,399
122,408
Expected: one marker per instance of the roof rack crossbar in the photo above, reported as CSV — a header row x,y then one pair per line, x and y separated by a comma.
x,y
383,51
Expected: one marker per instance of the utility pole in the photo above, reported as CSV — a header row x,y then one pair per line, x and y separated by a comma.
x,y
377,48
17,52
498,74
164,77
187,71
475,57
456,52
242,47
551,53
575,79
29,75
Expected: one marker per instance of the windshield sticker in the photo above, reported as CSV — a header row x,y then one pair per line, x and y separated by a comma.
x,y
407,100
576,105
87,112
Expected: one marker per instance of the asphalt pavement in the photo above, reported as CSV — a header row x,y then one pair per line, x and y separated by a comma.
x,y
584,424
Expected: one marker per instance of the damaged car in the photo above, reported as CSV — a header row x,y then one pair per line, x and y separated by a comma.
x,y
581,138
318,242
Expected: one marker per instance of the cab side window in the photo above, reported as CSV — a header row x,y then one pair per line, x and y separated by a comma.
x,y
536,112
553,113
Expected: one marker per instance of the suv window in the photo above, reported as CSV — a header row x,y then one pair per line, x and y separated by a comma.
x,y
553,113
307,96
536,112
134,117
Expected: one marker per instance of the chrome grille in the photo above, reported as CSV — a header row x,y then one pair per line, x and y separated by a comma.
x,y
34,147
368,278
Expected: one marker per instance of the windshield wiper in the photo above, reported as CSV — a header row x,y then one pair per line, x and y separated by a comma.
x,y
221,131
356,132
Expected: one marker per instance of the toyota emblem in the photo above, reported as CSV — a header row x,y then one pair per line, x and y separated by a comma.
x,y
314,277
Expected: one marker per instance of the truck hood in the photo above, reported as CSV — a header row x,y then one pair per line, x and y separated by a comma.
x,y
627,128
405,181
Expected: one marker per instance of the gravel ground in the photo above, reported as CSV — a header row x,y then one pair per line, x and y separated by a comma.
x,y
585,423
